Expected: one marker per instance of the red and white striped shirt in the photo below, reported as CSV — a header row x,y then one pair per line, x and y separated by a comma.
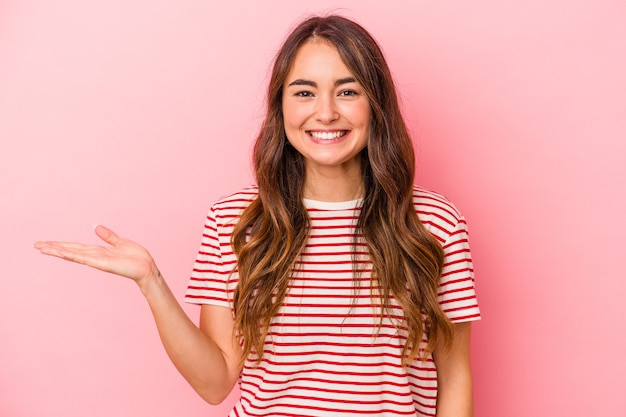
x,y
325,354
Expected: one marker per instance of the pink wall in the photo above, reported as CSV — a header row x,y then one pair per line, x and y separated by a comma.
x,y
138,114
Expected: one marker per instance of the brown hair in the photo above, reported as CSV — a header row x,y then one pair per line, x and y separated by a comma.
x,y
273,230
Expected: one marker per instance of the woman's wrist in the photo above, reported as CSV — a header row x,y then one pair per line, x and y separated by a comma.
x,y
152,283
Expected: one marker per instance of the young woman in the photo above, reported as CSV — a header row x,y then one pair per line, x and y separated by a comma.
x,y
334,286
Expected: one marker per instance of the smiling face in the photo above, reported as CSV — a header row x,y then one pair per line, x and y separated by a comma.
x,y
326,111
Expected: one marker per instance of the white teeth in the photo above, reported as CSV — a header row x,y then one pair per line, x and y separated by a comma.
x,y
328,135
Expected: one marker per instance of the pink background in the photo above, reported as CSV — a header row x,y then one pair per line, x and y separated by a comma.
x,y
138,114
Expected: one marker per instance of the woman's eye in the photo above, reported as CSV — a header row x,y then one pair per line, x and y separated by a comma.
x,y
304,94
348,93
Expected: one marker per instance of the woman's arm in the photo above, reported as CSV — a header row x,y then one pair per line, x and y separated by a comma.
x,y
454,375
207,357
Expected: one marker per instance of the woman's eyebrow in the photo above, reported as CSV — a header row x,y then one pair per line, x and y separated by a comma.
x,y
310,83
303,82
346,80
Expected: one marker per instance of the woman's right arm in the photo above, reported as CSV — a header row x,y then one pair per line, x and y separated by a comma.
x,y
208,356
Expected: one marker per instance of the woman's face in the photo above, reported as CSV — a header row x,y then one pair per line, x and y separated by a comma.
x,y
326,111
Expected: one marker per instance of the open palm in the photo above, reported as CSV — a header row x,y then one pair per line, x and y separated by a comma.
x,y
122,257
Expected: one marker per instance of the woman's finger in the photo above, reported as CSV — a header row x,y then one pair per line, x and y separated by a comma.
x,y
60,245
66,250
89,258
107,235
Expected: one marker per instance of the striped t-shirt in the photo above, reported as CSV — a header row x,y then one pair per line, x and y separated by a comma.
x,y
327,353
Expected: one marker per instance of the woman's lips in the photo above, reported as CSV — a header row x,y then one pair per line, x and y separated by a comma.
x,y
327,135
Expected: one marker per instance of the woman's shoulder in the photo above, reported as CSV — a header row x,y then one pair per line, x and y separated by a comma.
x,y
238,200
434,209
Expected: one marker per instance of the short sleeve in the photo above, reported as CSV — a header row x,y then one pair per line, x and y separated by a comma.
x,y
210,281
457,295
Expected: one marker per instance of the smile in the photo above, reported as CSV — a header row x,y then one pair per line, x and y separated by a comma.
x,y
328,135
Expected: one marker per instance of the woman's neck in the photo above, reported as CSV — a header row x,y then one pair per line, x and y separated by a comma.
x,y
333,186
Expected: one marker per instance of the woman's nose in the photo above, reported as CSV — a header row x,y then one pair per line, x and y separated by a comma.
x,y
326,109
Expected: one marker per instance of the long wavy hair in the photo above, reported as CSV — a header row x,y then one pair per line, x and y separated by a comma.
x,y
273,230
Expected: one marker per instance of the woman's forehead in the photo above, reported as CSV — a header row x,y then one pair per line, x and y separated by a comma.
x,y
318,59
